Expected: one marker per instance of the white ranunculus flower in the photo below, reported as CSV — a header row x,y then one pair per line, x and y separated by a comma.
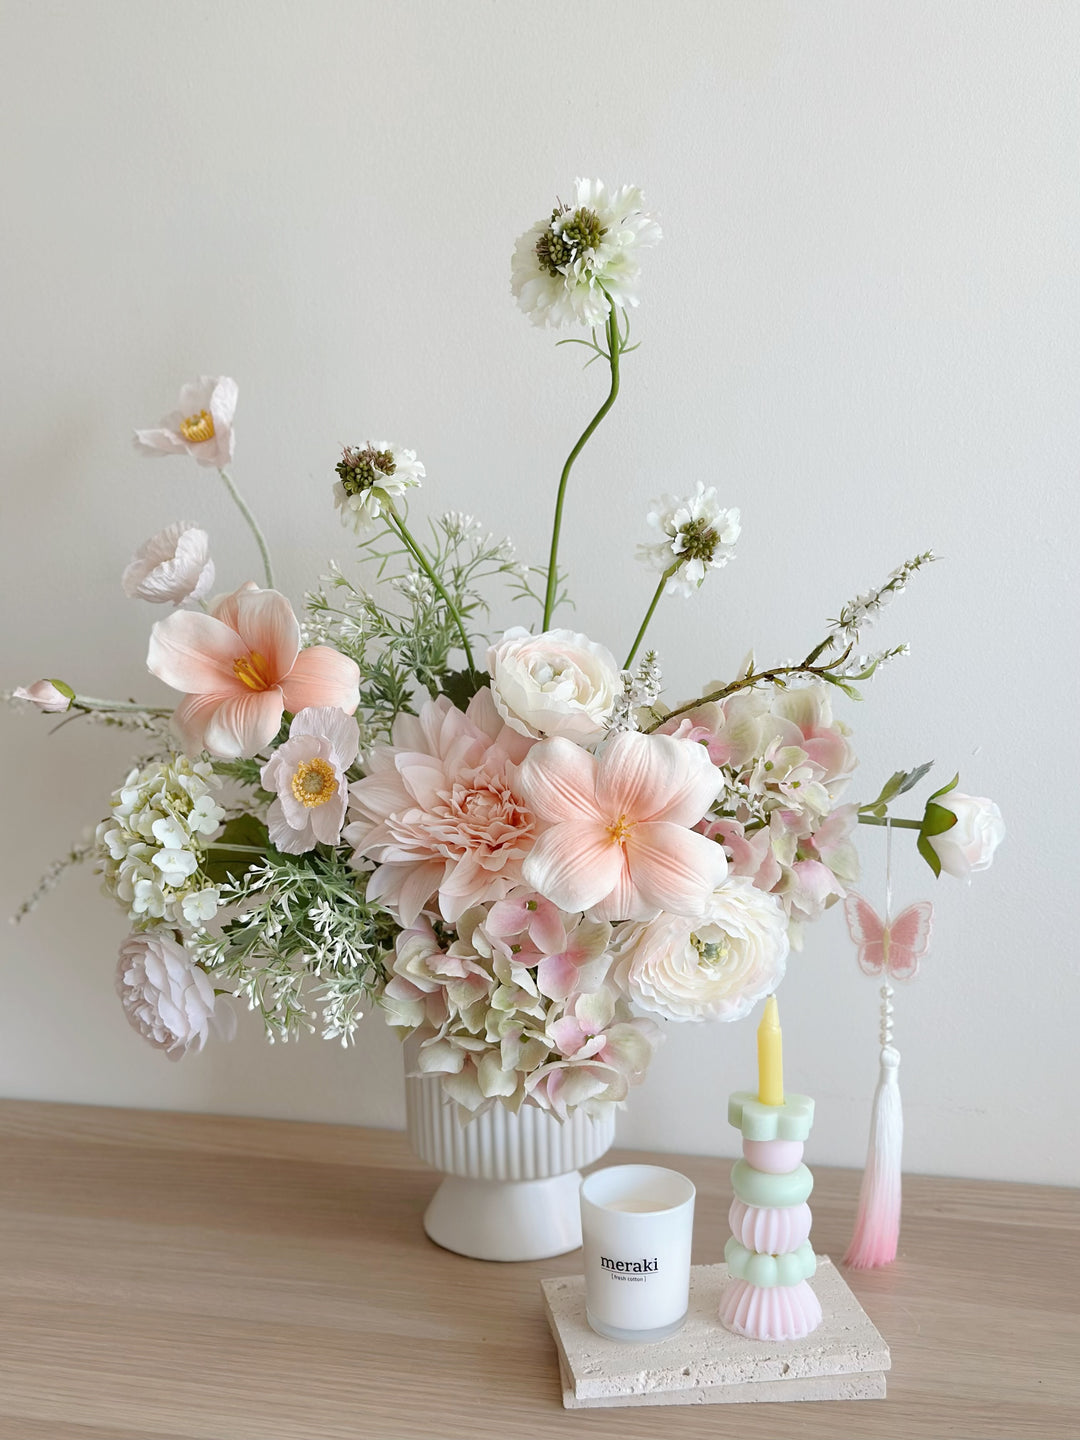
x,y
167,999
172,566
556,683
716,967
970,844
576,265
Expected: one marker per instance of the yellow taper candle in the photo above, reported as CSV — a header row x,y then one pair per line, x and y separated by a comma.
x,y
770,1056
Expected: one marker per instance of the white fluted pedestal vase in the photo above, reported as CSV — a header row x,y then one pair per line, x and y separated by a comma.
x,y
512,1181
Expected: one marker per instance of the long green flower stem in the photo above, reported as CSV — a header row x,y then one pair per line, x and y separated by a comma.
x,y
413,546
668,573
886,820
614,348
253,525
88,702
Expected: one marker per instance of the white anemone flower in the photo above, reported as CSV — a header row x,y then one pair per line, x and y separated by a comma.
x,y
172,566
699,535
308,775
370,478
573,267
201,425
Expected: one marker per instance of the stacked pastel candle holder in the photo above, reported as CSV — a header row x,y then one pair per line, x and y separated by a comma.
x,y
769,1255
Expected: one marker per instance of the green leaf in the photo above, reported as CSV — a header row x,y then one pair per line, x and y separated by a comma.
x,y
912,778
461,685
897,784
247,830
946,788
929,854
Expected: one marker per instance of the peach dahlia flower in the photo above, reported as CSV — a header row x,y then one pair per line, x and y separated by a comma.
x,y
440,811
241,668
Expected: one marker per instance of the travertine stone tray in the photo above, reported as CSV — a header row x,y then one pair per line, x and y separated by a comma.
x,y
704,1364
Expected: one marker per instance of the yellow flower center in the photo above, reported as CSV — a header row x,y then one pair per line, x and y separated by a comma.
x,y
253,671
620,831
198,427
314,782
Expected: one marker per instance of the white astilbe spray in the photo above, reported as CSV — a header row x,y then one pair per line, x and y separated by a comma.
x,y
641,689
861,612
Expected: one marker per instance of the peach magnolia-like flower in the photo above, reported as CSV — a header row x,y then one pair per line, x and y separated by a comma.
x,y
308,775
172,566
618,842
241,667
52,696
201,426
441,812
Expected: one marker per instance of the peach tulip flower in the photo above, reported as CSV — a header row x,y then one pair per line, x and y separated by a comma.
x,y
618,842
241,668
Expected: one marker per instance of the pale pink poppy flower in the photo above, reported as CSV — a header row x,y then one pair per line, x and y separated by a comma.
x,y
440,810
52,696
172,566
201,425
241,668
307,774
618,842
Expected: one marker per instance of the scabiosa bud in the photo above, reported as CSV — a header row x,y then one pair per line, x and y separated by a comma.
x,y
370,478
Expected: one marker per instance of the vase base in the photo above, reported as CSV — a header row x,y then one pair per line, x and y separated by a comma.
x,y
506,1219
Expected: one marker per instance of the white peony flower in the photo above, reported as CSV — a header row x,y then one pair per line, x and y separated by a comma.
x,y
575,266
370,478
167,999
52,696
715,967
556,683
172,566
201,425
970,844
308,775
699,535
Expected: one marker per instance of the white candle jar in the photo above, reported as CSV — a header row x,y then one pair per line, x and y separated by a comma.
x,y
636,1224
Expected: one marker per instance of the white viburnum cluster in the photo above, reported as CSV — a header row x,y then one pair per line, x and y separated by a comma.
x,y
151,848
370,478
698,535
577,265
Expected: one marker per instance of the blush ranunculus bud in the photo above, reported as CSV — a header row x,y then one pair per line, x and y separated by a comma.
x,y
715,967
968,845
167,999
172,566
556,683
52,696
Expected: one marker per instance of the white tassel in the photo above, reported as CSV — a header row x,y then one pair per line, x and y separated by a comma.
x,y
877,1224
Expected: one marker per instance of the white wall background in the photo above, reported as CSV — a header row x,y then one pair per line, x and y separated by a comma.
x,y
862,325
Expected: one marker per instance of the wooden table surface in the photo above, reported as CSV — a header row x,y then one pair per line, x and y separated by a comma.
x,y
167,1277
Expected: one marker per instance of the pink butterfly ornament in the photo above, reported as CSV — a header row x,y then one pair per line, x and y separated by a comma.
x,y
896,947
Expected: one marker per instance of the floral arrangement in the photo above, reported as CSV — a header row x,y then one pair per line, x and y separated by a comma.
x,y
508,842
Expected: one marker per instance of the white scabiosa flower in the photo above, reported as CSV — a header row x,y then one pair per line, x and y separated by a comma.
x,y
169,1000
370,478
698,535
172,566
150,850
714,967
573,267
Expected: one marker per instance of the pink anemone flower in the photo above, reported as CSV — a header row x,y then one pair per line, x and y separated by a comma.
x,y
618,842
241,668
